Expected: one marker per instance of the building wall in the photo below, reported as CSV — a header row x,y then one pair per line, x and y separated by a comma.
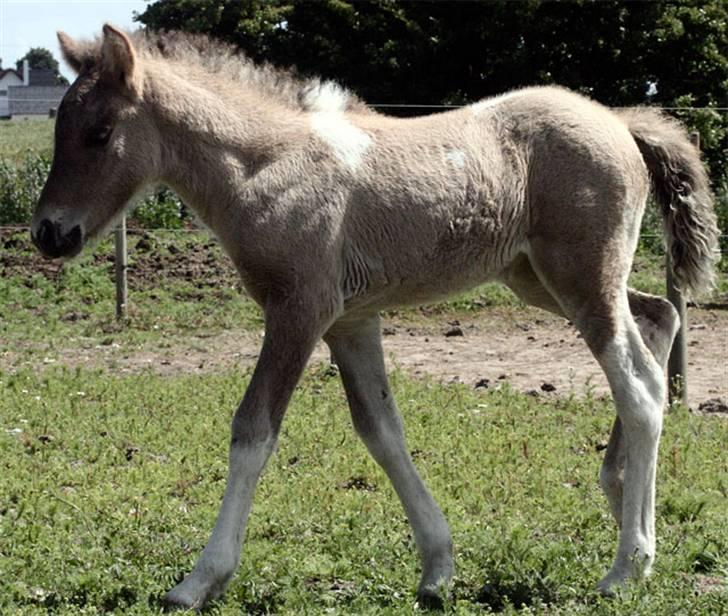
x,y
34,100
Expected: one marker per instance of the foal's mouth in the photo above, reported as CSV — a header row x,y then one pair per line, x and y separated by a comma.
x,y
53,245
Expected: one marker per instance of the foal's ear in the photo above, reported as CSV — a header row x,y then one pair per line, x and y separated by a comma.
x,y
119,61
71,50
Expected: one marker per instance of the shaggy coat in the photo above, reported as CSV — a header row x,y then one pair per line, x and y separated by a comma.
x,y
332,213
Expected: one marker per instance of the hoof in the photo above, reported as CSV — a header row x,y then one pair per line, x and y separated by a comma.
x,y
622,573
175,600
612,583
430,600
433,596
191,594
436,581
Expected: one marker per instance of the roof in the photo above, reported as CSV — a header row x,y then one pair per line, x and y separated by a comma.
x,y
42,77
6,71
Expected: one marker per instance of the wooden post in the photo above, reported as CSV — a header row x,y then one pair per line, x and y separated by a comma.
x,y
677,365
120,268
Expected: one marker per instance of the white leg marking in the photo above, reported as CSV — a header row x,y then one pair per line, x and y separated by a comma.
x,y
639,393
611,475
220,557
658,322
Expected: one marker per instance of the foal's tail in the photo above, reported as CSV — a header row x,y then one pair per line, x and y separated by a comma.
x,y
681,187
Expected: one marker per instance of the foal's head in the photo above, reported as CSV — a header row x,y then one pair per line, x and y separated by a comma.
x,y
106,145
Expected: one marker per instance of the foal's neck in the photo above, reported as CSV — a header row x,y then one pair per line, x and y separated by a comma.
x,y
215,141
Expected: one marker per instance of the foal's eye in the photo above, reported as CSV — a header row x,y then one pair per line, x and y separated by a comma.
x,y
99,136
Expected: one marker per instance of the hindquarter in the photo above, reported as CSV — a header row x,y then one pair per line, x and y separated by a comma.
x,y
587,186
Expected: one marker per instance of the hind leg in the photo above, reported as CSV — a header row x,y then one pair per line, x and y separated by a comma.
x,y
639,389
657,321
588,281
630,334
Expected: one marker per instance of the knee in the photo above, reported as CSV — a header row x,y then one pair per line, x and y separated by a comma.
x,y
253,424
642,422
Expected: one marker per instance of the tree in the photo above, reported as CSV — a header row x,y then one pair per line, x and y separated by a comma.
x,y
40,58
391,51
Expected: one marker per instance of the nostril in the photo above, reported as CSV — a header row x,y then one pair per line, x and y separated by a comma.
x,y
44,235
74,237
48,239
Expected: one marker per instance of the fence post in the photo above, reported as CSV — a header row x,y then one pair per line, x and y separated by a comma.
x,y
677,365
120,268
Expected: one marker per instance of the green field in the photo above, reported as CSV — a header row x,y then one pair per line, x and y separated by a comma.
x,y
19,138
109,483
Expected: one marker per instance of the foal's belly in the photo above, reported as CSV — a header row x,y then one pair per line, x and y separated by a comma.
x,y
425,284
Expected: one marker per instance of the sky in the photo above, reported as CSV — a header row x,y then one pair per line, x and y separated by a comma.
x,y
33,23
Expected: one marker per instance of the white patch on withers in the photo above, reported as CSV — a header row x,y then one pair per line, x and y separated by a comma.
x,y
325,96
348,142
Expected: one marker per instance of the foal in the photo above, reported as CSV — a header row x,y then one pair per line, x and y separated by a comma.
x,y
332,213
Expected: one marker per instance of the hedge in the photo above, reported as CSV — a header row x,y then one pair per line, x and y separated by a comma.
x,y
21,185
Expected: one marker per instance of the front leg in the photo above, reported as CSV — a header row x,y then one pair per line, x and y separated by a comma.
x,y
289,341
357,349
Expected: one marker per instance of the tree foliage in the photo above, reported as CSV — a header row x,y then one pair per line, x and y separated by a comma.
x,y
392,51
42,59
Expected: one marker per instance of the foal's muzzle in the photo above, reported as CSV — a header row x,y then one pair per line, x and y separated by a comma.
x,y
52,243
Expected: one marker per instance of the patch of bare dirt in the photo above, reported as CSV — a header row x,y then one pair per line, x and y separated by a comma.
x,y
541,354
152,260
527,349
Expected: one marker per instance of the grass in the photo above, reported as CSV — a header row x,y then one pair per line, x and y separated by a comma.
x,y
110,486
45,310
17,138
